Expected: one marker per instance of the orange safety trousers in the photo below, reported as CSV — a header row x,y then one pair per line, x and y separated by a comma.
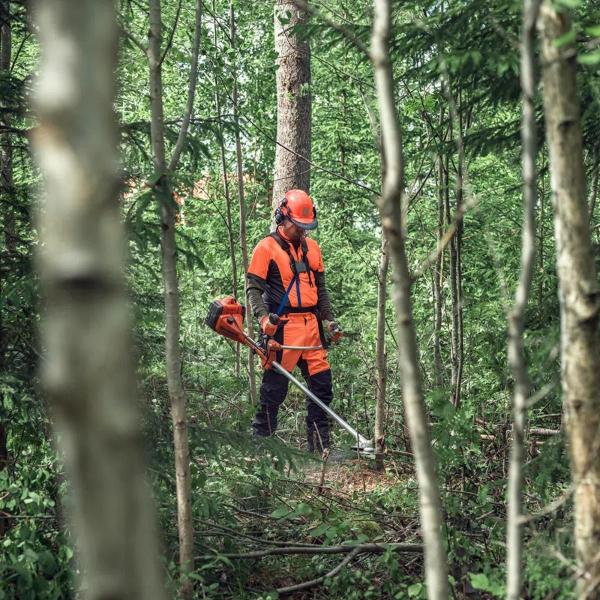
x,y
302,329
297,329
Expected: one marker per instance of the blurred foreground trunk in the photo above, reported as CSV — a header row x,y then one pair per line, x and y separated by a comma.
x,y
88,371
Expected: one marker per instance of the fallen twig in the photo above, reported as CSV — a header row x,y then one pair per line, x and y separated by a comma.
x,y
356,548
314,582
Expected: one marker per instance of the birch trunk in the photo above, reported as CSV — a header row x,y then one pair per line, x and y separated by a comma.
x,y
172,314
436,569
438,276
380,357
516,319
578,291
88,371
457,239
242,206
453,269
228,219
293,148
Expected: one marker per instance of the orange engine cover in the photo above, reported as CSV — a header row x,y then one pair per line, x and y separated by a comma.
x,y
226,317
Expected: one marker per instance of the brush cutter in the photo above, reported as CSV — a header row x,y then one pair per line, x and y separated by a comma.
x,y
226,317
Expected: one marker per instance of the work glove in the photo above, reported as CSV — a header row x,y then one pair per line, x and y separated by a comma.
x,y
335,333
269,324
270,354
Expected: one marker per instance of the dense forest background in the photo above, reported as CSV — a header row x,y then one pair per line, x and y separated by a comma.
x,y
456,67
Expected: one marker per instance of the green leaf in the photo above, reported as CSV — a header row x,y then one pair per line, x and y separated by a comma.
x,y
591,58
593,30
414,590
281,512
479,581
565,39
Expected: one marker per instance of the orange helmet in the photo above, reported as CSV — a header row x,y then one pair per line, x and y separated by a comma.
x,y
298,207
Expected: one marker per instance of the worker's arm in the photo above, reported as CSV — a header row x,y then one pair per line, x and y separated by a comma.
x,y
255,286
256,279
323,302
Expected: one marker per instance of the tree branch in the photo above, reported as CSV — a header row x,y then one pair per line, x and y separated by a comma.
x,y
358,548
172,34
191,89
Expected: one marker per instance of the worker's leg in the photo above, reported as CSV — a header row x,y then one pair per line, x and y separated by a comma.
x,y
315,368
274,387
273,390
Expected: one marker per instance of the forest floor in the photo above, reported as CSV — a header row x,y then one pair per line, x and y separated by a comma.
x,y
341,473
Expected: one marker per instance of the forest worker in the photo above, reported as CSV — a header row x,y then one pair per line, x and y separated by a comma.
x,y
287,295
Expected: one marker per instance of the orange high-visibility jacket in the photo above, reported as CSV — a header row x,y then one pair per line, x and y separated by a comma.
x,y
271,270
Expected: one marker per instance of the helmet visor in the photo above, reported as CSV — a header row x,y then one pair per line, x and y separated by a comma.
x,y
305,224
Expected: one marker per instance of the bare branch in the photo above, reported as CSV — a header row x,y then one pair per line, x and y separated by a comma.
x,y
191,89
309,550
308,8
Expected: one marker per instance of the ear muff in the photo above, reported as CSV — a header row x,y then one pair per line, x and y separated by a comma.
x,y
281,212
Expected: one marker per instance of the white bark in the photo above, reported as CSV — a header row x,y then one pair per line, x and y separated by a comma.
x,y
578,290
516,319
88,371
242,206
436,569
172,314
380,356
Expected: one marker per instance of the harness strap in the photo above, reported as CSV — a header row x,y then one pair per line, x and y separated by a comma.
x,y
286,295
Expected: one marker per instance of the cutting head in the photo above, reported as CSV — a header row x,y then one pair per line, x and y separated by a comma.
x,y
365,448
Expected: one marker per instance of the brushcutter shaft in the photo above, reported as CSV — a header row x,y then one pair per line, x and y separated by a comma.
x,y
362,442
301,347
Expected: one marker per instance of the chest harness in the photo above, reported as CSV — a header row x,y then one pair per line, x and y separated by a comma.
x,y
297,267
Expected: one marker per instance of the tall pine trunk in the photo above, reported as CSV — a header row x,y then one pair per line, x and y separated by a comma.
x,y
436,568
88,373
293,148
578,290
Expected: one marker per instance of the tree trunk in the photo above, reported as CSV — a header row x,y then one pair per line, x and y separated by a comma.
x,y
6,168
242,206
457,239
454,345
436,569
88,373
542,242
438,278
228,218
516,319
380,357
595,174
293,148
172,318
578,290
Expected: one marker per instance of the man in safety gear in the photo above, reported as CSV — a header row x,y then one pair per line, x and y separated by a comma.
x,y
287,295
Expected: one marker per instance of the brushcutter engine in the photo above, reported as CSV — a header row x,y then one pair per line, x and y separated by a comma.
x,y
226,317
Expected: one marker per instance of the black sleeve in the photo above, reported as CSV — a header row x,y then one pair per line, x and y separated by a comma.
x,y
255,286
323,303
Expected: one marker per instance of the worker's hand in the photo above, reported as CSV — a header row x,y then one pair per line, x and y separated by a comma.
x,y
269,324
270,355
335,333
